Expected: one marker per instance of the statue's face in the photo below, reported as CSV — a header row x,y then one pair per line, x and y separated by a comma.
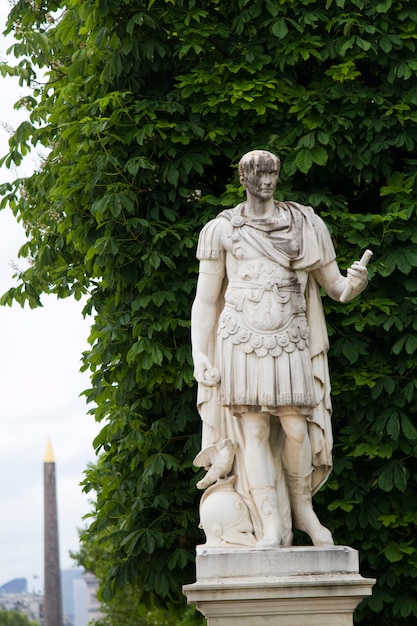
x,y
261,178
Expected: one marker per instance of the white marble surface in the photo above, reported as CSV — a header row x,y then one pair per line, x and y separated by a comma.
x,y
278,587
260,354
294,561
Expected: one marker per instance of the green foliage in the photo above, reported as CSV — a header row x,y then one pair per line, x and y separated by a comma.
x,y
146,109
15,618
125,608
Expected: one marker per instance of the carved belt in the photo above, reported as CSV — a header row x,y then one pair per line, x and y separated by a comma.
x,y
268,285
238,292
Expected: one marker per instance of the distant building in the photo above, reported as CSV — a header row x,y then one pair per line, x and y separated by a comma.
x,y
79,599
31,604
74,597
80,602
14,596
79,595
93,604
17,585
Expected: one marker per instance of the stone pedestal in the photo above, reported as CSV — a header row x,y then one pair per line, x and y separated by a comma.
x,y
297,586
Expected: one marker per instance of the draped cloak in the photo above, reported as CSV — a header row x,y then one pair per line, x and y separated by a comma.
x,y
300,241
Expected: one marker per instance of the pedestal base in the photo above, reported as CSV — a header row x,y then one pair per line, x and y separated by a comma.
x,y
278,587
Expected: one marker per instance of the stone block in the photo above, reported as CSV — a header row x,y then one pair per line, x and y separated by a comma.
x,y
297,586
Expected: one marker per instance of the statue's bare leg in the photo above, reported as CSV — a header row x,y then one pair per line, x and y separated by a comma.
x,y
297,459
262,475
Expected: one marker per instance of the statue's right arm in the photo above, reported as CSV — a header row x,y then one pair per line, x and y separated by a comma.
x,y
204,319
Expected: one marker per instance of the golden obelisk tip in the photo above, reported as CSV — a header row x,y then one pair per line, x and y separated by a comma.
x,y
49,455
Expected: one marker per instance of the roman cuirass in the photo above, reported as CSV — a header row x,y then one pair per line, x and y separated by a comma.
x,y
265,308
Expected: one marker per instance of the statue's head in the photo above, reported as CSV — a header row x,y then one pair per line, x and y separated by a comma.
x,y
258,172
255,160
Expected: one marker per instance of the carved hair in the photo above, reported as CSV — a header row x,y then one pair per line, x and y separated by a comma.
x,y
250,160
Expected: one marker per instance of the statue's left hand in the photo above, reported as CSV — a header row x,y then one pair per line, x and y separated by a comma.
x,y
357,276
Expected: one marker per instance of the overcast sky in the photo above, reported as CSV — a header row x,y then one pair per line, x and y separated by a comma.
x,y
40,385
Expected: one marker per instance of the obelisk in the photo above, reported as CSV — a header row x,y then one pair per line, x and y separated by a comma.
x,y
53,599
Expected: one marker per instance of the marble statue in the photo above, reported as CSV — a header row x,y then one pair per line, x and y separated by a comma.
x,y
260,355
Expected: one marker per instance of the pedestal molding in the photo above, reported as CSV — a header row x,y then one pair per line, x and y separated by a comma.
x,y
251,598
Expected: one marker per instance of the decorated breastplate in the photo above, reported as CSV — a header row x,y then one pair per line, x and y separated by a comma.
x,y
265,296
265,309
